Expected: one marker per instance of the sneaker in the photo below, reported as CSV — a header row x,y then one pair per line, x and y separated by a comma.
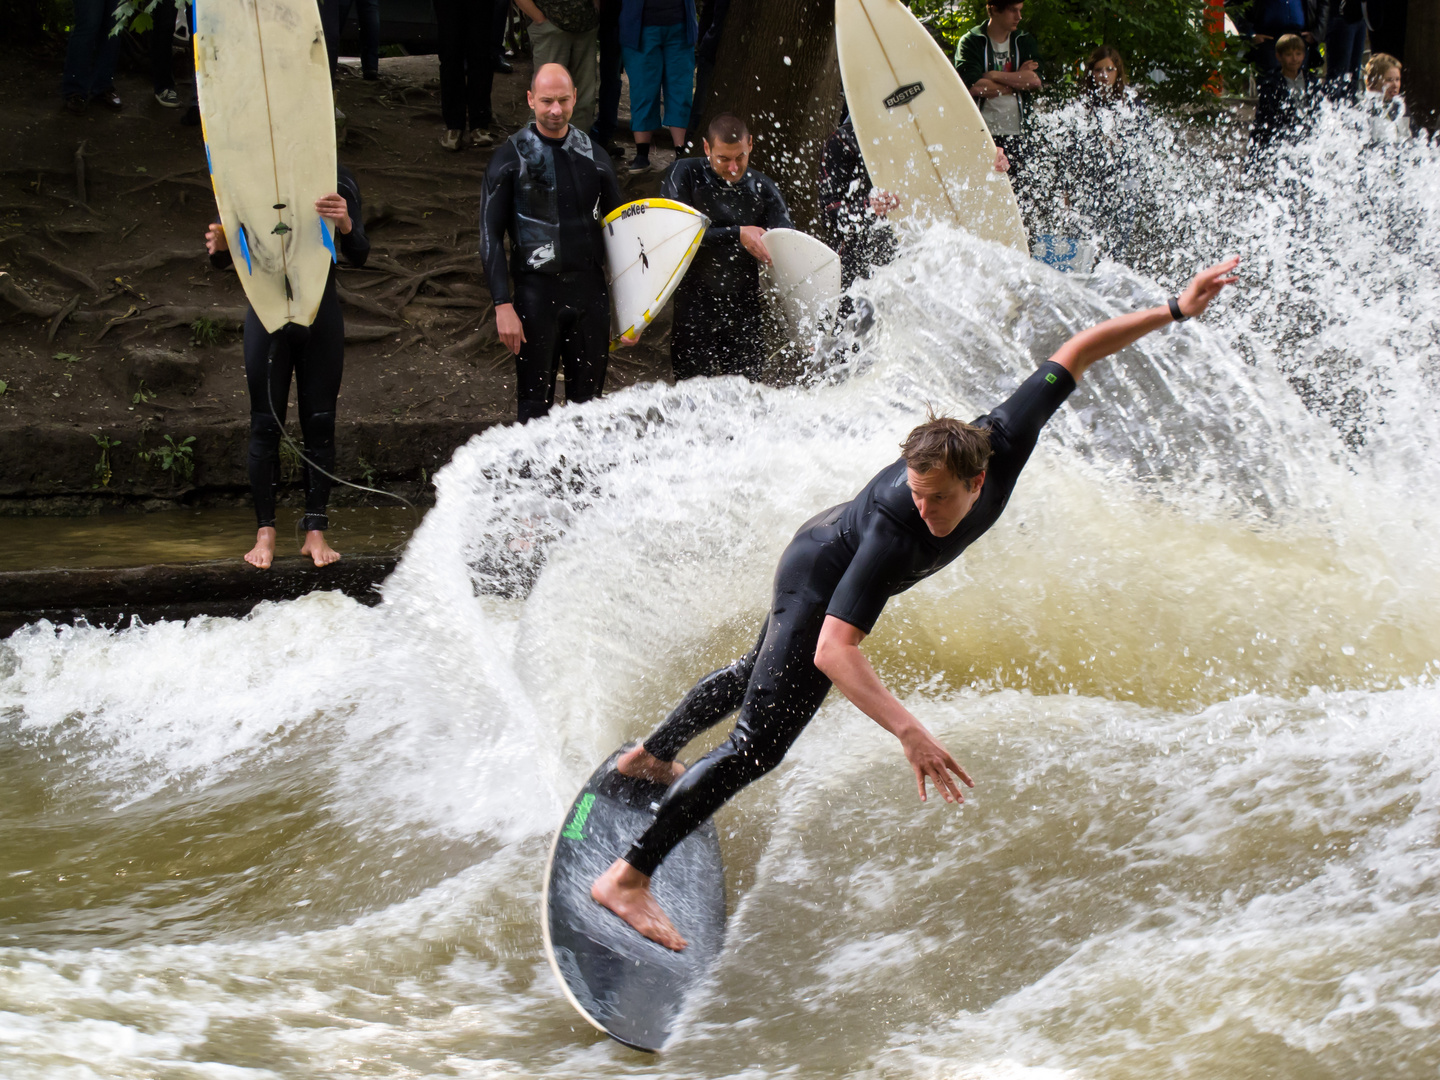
x,y
75,103
639,164
503,64
478,137
451,139
108,97
370,74
168,98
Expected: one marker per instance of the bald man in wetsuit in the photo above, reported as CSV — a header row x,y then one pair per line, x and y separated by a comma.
x,y
915,517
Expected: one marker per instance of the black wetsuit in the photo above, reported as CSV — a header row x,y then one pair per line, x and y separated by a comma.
x,y
558,259
847,562
315,354
718,330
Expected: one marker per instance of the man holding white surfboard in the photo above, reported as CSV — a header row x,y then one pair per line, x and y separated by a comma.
x,y
549,188
718,327
916,516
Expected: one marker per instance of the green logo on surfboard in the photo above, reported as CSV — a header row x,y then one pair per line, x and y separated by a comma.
x,y
574,830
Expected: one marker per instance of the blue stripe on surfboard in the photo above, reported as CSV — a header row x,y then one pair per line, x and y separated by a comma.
x,y
245,250
328,240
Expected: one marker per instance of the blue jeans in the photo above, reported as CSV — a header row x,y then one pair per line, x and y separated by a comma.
x,y
90,53
665,62
367,15
1344,45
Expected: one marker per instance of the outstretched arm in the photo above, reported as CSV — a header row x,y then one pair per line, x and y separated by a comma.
x,y
1112,335
839,658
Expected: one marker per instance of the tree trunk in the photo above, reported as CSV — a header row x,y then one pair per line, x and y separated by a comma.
x,y
776,69
1422,72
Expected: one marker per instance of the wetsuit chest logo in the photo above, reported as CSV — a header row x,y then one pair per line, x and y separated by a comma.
x,y
906,93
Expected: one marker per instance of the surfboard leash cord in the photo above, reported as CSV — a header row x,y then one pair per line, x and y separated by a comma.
x,y
295,449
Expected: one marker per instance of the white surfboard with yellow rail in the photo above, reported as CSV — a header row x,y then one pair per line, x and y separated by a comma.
x,y
649,244
263,79
920,132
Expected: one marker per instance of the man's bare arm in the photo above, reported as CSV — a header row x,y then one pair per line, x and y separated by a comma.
x,y
839,659
1082,350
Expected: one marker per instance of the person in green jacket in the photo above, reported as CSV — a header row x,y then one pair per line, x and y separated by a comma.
x,y
1000,64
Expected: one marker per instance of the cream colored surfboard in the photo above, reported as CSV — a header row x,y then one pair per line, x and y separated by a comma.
x,y
919,130
803,281
649,244
263,79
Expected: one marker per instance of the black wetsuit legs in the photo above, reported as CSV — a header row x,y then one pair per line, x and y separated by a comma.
x,y
717,334
567,320
315,354
777,688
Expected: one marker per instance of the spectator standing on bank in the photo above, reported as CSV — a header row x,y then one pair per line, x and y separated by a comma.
x,y
1269,20
564,32
607,108
162,54
1105,164
718,325
467,70
548,188
90,57
1344,47
658,38
1000,64
367,24
1286,97
1384,106
711,27
853,211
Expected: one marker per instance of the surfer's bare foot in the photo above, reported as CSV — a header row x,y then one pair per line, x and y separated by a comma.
x,y
316,547
263,553
639,763
626,892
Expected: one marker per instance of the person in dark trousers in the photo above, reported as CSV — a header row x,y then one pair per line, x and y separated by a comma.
x,y
1286,99
718,326
1000,65
658,39
1344,48
708,32
367,20
90,57
852,210
548,188
607,107
315,354
162,54
465,30
916,516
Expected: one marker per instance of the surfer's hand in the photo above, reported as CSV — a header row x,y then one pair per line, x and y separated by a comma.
x,y
752,238
1207,285
332,208
509,327
1002,163
630,339
882,202
932,761
215,238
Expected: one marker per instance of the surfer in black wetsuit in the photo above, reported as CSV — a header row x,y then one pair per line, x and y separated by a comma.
x,y
549,188
718,328
915,517
315,354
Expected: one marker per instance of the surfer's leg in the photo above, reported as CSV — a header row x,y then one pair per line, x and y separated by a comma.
x,y
268,379
689,355
586,346
535,363
318,370
709,701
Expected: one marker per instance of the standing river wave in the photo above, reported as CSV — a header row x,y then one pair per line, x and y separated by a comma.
x,y
1192,671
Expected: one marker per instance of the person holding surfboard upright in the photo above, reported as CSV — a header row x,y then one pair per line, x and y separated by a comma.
x,y
917,515
1000,64
316,356
718,327
548,188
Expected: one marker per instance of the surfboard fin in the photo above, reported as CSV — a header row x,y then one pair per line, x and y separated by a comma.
x,y
245,248
328,240
289,292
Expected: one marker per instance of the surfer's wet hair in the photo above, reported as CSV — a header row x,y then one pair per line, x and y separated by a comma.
x,y
727,128
943,442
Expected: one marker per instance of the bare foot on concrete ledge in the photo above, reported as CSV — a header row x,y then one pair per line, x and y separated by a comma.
x,y
626,892
316,547
263,553
639,763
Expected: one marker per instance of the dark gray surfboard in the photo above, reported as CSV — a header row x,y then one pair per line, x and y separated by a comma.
x,y
626,985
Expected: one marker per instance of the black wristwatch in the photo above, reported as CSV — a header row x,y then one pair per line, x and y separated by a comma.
x,y
1175,312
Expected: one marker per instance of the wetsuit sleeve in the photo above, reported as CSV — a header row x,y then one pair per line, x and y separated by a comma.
x,y
497,204
777,214
354,245
875,574
1015,425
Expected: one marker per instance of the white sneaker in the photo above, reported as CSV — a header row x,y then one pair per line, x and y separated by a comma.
x,y
169,98
451,139
479,137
